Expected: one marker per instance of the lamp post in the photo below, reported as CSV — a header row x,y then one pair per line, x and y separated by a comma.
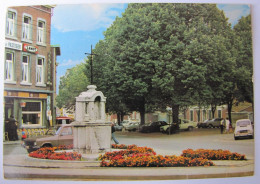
x,y
91,64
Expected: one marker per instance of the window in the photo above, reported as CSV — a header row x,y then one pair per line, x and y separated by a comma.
x,y
27,28
219,113
41,32
40,71
66,131
31,113
9,66
25,68
210,114
191,115
10,23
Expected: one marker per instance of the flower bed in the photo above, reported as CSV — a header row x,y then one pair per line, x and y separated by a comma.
x,y
49,153
212,154
146,157
123,146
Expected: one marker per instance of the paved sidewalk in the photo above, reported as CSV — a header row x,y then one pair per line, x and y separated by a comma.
x,y
24,167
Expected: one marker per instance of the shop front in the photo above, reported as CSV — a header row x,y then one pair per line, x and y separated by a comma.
x,y
28,108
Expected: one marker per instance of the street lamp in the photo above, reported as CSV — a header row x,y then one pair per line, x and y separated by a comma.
x,y
91,64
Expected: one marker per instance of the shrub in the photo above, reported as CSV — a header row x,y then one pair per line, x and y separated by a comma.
x,y
123,146
212,154
49,153
146,157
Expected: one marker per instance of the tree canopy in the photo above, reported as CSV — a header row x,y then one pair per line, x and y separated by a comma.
x,y
71,85
177,55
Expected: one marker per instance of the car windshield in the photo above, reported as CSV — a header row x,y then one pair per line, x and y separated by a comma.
x,y
58,131
243,123
52,131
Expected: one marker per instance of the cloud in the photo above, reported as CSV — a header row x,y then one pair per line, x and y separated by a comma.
x,y
85,17
69,63
235,12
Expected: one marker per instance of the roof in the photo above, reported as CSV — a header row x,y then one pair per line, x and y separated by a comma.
x,y
57,49
243,107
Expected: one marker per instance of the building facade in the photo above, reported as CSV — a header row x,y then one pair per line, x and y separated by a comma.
x,y
29,67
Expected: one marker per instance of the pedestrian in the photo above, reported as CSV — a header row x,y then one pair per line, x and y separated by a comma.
x,y
227,125
112,132
24,134
222,123
12,134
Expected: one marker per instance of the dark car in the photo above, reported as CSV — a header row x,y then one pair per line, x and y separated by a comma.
x,y
203,124
153,127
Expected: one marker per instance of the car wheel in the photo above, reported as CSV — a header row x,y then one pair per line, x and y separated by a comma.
x,y
47,145
211,126
168,131
190,128
134,129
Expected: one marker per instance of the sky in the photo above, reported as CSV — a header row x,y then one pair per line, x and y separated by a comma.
x,y
78,26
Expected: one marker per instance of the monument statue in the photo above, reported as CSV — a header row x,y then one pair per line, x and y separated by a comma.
x,y
91,132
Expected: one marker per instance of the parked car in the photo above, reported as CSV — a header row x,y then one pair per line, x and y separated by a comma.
x,y
152,127
63,136
203,124
183,124
125,122
214,123
133,126
118,127
243,129
63,120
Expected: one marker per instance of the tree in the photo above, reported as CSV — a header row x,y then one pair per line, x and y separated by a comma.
x,y
71,85
243,31
240,87
162,55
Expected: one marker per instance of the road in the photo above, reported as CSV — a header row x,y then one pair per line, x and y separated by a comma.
x,y
173,144
195,139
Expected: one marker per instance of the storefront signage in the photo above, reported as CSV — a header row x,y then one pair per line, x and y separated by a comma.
x,y
13,45
30,48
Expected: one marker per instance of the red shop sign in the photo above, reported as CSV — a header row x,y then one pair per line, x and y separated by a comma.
x,y
30,48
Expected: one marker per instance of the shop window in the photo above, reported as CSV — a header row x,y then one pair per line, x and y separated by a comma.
x,y
40,71
27,28
25,68
41,32
9,66
11,23
31,113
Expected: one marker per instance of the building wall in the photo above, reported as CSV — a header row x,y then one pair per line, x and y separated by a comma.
x,y
201,114
38,96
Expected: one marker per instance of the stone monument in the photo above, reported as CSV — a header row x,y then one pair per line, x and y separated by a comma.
x,y
91,132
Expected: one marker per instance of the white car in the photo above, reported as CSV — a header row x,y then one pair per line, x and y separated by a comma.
x,y
244,128
133,126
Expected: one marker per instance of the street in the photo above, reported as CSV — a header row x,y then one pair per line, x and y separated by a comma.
x,y
173,144
196,139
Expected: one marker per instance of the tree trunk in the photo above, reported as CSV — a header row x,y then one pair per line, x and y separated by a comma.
x,y
118,118
230,103
175,113
213,110
122,116
142,114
